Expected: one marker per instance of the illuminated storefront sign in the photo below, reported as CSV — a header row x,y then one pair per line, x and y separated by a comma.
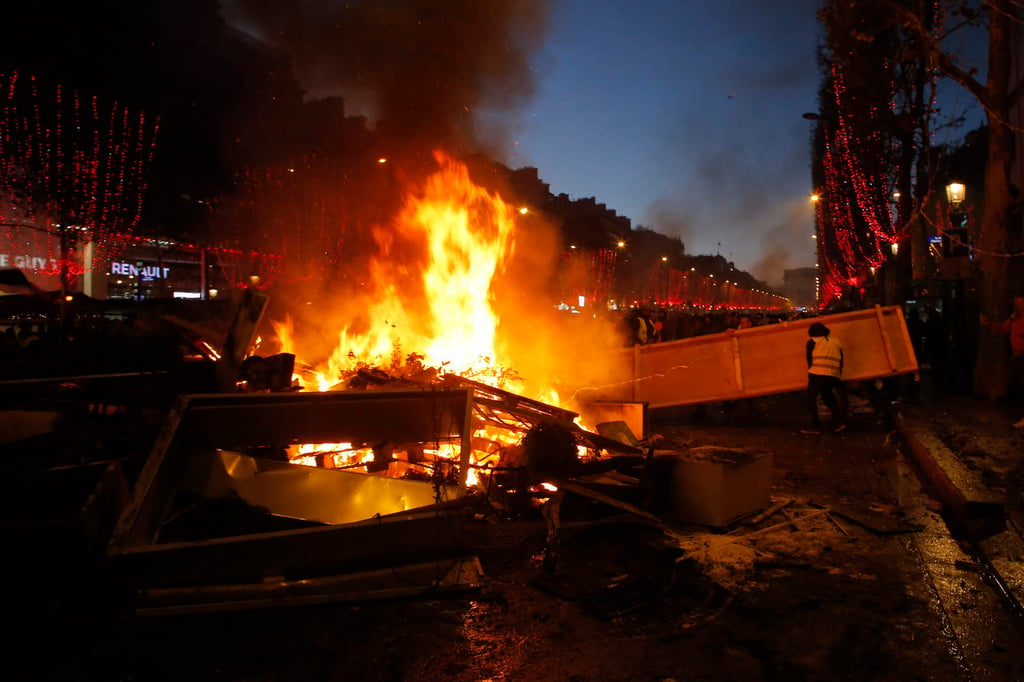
x,y
146,272
28,262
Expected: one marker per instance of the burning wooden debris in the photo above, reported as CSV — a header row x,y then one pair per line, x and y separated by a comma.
x,y
518,443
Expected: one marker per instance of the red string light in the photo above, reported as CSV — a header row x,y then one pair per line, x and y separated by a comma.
x,y
587,274
854,225
71,172
668,287
304,213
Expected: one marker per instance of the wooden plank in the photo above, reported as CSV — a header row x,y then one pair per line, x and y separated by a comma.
x,y
459,573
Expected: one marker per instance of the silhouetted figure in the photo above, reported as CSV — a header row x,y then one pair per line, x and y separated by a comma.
x,y
28,337
657,320
641,328
824,378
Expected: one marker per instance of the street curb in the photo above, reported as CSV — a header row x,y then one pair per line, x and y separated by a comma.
x,y
977,512
956,486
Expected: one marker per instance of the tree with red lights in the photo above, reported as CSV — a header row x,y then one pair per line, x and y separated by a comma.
x,y
916,27
315,214
587,274
72,172
872,150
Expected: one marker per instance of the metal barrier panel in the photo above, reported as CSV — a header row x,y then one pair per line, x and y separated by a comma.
x,y
758,361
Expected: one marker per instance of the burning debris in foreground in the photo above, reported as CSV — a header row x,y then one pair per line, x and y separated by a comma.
x,y
222,518
264,497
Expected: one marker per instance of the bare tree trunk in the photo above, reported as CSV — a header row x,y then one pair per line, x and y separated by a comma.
x,y
990,369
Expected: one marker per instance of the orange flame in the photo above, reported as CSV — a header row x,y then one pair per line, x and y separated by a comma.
x,y
431,283
431,300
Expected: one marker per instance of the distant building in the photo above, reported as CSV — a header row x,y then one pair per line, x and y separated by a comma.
x,y
800,285
584,223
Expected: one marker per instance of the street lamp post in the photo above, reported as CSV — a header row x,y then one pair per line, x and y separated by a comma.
x,y
955,240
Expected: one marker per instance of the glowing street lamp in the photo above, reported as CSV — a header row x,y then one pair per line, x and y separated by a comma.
x,y
955,192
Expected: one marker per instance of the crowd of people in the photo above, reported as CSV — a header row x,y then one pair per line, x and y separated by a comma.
x,y
653,325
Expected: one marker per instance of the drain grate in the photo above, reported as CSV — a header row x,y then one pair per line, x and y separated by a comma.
x,y
632,594
684,607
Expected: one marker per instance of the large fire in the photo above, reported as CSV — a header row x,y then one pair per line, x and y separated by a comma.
x,y
430,294
428,309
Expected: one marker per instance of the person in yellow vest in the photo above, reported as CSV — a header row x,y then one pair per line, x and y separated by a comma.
x,y
824,378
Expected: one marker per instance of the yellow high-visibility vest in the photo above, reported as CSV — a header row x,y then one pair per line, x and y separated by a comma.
x,y
827,357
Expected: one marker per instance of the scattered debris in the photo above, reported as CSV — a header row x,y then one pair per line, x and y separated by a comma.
x,y
769,512
875,521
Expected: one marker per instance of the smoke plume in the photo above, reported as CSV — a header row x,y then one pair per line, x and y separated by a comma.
x,y
420,70
669,218
782,239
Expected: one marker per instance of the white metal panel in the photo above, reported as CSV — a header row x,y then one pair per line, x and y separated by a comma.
x,y
757,361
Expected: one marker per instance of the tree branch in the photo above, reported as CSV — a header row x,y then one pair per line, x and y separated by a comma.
x,y
938,58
